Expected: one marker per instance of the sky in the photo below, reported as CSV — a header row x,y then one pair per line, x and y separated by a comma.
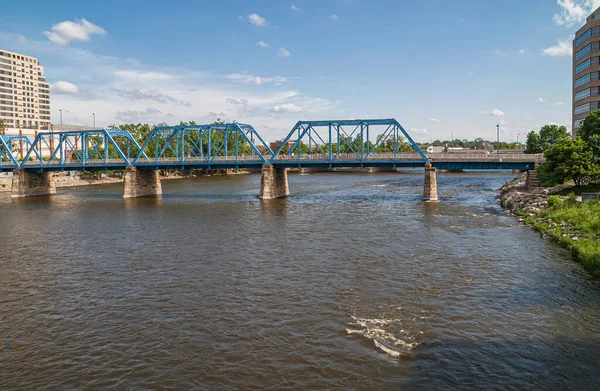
x,y
442,68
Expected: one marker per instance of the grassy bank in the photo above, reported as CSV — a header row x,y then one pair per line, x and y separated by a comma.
x,y
575,225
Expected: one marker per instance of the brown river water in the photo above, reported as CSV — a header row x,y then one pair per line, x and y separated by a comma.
x,y
351,283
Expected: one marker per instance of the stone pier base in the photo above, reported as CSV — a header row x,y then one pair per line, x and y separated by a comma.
x,y
274,182
430,193
141,183
29,184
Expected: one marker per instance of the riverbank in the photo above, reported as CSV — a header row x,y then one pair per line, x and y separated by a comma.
x,y
74,178
566,220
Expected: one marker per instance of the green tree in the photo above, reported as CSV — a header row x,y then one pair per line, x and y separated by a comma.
x,y
533,145
550,135
591,126
2,126
572,160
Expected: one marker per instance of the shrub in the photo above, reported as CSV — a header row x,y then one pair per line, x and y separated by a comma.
x,y
555,202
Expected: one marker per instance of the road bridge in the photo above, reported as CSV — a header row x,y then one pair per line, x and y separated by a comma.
x,y
371,143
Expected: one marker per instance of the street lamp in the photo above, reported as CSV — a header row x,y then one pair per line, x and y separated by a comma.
x,y
94,114
60,110
518,135
498,140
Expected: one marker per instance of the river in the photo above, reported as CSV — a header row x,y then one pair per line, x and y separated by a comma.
x,y
351,283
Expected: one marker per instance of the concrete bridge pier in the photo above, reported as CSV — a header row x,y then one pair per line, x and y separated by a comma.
x,y
141,183
273,183
430,193
29,184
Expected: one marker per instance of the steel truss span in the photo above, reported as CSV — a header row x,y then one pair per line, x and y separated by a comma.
x,y
322,144
348,143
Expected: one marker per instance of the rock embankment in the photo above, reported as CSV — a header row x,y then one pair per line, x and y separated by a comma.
x,y
514,196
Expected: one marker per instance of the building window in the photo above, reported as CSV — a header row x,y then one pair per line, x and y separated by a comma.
x,y
583,38
583,52
582,80
583,94
582,109
583,66
578,123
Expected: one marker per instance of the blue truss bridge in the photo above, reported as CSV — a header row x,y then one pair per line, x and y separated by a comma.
x,y
330,144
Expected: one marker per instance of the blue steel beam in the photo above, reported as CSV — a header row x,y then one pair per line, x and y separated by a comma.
x,y
346,139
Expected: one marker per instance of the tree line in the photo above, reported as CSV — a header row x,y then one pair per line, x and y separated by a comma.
x,y
567,158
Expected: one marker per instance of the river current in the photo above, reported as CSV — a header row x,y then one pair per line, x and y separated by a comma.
x,y
351,283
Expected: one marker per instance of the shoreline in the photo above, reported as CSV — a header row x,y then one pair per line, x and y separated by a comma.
x,y
562,219
75,178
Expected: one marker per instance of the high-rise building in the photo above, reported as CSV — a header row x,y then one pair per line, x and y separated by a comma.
x,y
24,94
586,70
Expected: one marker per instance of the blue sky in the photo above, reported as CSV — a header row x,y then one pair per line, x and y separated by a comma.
x,y
439,67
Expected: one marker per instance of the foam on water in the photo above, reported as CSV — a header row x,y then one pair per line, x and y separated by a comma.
x,y
384,334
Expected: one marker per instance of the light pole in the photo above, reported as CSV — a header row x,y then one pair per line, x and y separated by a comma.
x,y
60,110
498,141
94,114
518,135
452,141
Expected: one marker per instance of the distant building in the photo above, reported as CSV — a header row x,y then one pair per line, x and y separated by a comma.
x,y
24,94
275,144
586,70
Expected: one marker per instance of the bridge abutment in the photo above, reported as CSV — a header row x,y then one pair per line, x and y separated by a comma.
x,y
430,193
141,183
29,184
274,182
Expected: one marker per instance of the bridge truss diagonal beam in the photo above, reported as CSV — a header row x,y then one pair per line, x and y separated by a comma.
x,y
203,146
361,140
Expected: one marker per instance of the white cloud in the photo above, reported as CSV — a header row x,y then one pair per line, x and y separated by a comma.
x,y
297,9
64,87
287,108
557,104
574,11
435,120
283,52
150,115
136,94
263,44
528,118
143,75
334,17
562,48
80,30
541,100
494,113
256,20
416,130
258,80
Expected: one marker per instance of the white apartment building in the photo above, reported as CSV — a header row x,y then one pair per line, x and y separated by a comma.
x,y
24,94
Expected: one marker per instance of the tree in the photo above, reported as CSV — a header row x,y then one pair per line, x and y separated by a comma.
x,y
550,135
591,126
571,159
534,145
2,126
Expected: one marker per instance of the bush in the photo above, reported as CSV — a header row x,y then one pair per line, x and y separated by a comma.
x,y
555,202
547,176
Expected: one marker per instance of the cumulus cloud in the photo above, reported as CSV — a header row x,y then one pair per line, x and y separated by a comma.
x,y
257,80
574,11
256,20
334,17
287,108
64,87
541,100
435,120
494,113
562,48
283,52
138,116
80,30
263,44
151,95
142,75
297,9
245,109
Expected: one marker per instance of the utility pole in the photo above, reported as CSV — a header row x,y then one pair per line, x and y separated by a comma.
x,y
94,114
60,110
